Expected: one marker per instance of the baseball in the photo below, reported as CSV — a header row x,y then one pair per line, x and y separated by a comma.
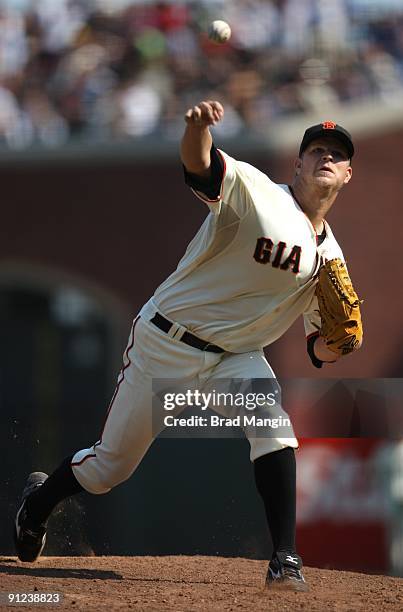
x,y
219,31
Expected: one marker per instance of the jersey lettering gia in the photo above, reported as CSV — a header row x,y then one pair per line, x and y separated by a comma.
x,y
250,270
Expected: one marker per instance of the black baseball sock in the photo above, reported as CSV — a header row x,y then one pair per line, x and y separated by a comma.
x,y
275,475
61,484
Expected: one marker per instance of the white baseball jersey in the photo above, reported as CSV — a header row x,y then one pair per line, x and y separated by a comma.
x,y
250,270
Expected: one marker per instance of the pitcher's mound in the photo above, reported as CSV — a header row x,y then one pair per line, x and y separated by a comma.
x,y
185,584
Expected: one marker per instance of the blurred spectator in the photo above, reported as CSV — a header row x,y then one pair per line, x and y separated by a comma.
x,y
137,109
13,43
10,116
42,123
255,24
105,69
298,20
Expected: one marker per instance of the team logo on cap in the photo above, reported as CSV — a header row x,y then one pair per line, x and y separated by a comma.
x,y
329,125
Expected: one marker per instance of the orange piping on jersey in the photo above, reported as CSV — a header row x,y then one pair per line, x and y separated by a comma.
x,y
224,172
129,348
315,333
121,378
203,197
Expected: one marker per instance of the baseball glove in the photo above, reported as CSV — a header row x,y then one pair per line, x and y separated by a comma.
x,y
339,308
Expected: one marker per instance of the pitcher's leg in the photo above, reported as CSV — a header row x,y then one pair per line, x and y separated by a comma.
x,y
273,457
126,436
275,476
260,380
125,439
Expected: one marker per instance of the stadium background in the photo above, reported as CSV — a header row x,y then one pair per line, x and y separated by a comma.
x,y
95,214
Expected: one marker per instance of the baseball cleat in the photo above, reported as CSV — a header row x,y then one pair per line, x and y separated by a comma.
x,y
284,573
29,537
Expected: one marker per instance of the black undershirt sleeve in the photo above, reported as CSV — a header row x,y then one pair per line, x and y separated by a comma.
x,y
310,348
312,339
210,187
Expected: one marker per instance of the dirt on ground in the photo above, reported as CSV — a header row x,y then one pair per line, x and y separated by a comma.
x,y
184,583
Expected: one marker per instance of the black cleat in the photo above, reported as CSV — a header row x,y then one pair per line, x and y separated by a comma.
x,y
284,573
29,537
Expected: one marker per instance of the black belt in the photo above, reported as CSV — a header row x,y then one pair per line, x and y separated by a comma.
x,y
188,338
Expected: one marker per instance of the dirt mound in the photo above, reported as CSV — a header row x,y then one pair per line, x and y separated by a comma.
x,y
189,583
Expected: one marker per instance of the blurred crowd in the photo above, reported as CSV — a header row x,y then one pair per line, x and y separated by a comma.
x,y
105,70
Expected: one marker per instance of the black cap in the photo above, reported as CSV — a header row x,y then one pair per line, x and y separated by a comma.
x,y
327,128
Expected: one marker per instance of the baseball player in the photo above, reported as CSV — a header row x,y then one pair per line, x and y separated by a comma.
x,y
249,272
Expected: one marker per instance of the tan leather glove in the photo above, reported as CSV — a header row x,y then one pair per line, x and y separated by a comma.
x,y
339,307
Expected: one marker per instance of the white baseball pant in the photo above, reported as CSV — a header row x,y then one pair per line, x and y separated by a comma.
x,y
128,429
